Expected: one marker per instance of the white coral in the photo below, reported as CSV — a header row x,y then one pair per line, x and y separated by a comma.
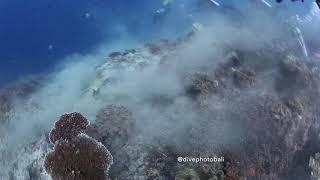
x,y
314,164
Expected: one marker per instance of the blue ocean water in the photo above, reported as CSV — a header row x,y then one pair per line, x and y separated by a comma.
x,y
35,35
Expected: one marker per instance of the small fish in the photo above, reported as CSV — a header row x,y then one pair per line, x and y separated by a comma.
x,y
87,15
215,2
266,3
50,47
302,42
197,26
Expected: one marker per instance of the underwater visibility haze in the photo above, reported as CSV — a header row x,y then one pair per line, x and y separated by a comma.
x,y
159,90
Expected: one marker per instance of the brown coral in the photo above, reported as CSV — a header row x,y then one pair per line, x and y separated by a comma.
x,y
274,134
81,158
201,85
68,126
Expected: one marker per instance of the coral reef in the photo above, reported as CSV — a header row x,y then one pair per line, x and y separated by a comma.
x,y
256,108
17,90
315,167
187,174
68,126
112,127
276,123
76,155
81,158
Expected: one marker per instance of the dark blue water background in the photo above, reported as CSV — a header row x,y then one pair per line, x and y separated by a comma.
x,y
36,34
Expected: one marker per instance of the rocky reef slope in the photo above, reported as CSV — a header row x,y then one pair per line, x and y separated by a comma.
x,y
256,107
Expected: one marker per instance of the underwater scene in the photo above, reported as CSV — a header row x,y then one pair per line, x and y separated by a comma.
x,y
160,90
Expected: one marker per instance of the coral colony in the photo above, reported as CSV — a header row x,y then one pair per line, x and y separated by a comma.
x,y
76,155
224,101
